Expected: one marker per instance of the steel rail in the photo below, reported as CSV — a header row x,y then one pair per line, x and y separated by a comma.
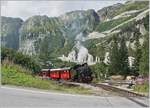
x,y
120,91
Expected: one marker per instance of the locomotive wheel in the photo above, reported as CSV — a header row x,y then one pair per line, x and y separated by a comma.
x,y
80,79
87,79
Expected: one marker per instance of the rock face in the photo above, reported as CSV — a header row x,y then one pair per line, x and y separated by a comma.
x,y
37,32
106,13
79,53
40,34
10,32
79,21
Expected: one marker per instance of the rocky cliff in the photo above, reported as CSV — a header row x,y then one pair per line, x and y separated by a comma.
x,y
41,34
10,32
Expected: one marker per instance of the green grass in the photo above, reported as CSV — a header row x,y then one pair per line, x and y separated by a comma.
x,y
132,6
144,88
104,26
13,74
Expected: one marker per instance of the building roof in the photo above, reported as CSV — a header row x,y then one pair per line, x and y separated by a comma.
x,y
45,69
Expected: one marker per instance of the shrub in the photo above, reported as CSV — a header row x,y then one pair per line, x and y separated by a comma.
x,y
21,59
100,71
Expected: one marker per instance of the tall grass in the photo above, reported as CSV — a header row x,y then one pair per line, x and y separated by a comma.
x,y
142,87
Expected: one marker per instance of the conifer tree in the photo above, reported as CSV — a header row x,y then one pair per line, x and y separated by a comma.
x,y
137,51
114,66
144,61
123,51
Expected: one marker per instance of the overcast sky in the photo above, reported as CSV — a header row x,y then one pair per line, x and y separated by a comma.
x,y
26,9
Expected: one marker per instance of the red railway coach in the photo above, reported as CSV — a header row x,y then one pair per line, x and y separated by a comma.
x,y
61,73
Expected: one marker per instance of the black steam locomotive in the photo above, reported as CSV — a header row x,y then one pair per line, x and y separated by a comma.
x,y
82,73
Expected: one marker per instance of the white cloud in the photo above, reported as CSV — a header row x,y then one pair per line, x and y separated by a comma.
x,y
25,9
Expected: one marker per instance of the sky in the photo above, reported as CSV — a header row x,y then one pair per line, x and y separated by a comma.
x,y
26,9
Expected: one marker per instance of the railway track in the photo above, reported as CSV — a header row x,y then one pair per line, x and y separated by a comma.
x,y
120,91
133,96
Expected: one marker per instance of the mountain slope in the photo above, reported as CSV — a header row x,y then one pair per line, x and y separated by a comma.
x,y
41,34
127,29
10,32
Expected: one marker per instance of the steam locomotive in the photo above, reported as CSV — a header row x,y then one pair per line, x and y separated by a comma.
x,y
83,73
78,73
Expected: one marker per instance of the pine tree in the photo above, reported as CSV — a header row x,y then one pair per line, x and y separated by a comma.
x,y
114,67
144,61
137,51
123,51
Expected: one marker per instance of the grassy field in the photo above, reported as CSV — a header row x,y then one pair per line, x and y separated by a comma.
x,y
13,74
104,26
132,6
144,88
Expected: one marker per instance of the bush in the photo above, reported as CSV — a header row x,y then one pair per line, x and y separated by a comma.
x,y
21,59
62,64
7,53
100,71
